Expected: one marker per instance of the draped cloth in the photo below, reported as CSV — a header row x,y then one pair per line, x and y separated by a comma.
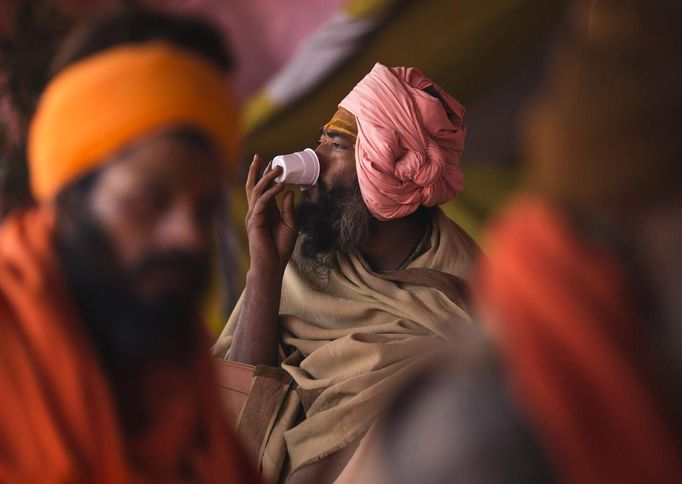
x,y
58,422
350,339
410,140
574,347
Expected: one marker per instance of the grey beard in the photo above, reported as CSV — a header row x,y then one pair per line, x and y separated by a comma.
x,y
338,222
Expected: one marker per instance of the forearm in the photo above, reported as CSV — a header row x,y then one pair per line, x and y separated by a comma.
x,y
272,236
256,336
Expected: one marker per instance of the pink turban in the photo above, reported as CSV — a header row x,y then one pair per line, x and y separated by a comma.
x,y
409,142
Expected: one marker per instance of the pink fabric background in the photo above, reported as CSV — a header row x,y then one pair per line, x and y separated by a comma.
x,y
263,33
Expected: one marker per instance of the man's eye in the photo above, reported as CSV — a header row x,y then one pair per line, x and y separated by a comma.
x,y
338,146
209,206
154,200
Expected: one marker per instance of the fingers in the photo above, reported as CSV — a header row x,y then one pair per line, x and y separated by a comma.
x,y
254,168
263,184
262,201
288,210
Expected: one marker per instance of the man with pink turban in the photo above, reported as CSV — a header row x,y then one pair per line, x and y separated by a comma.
x,y
376,283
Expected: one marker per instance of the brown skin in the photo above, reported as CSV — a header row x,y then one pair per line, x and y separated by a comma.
x,y
160,194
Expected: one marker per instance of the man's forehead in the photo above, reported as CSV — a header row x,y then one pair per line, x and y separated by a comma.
x,y
343,122
332,133
171,155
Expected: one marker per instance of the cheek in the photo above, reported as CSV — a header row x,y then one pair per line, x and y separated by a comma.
x,y
341,167
128,232
349,160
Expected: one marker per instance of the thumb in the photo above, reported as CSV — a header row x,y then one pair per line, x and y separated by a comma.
x,y
288,211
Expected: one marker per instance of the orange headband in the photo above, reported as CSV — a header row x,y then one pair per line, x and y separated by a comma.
x,y
343,122
97,106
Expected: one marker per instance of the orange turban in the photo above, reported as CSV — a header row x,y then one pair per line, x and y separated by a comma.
x,y
99,105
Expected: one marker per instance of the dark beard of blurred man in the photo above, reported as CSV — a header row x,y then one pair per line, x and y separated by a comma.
x,y
338,221
129,335
122,325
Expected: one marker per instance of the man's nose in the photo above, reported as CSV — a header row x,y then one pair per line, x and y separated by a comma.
x,y
322,152
181,230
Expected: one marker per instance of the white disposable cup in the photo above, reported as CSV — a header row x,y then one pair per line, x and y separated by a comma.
x,y
300,168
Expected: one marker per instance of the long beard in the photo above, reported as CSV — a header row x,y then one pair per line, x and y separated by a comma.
x,y
129,335
338,221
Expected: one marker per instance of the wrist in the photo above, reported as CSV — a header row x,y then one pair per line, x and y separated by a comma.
x,y
267,265
265,277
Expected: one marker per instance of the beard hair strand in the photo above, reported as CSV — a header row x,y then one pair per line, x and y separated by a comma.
x,y
338,221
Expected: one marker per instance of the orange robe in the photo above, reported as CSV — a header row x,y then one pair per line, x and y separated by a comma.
x,y
57,417
575,350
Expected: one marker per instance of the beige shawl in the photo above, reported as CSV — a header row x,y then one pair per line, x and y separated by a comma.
x,y
352,338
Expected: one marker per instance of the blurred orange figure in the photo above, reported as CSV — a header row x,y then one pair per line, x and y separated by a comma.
x,y
105,374
584,267
579,379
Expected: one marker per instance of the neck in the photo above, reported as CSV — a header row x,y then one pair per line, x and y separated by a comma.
x,y
393,241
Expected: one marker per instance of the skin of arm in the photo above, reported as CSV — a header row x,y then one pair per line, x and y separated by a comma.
x,y
272,235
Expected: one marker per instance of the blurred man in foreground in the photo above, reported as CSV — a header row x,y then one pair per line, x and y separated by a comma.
x,y
585,290
104,370
378,278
